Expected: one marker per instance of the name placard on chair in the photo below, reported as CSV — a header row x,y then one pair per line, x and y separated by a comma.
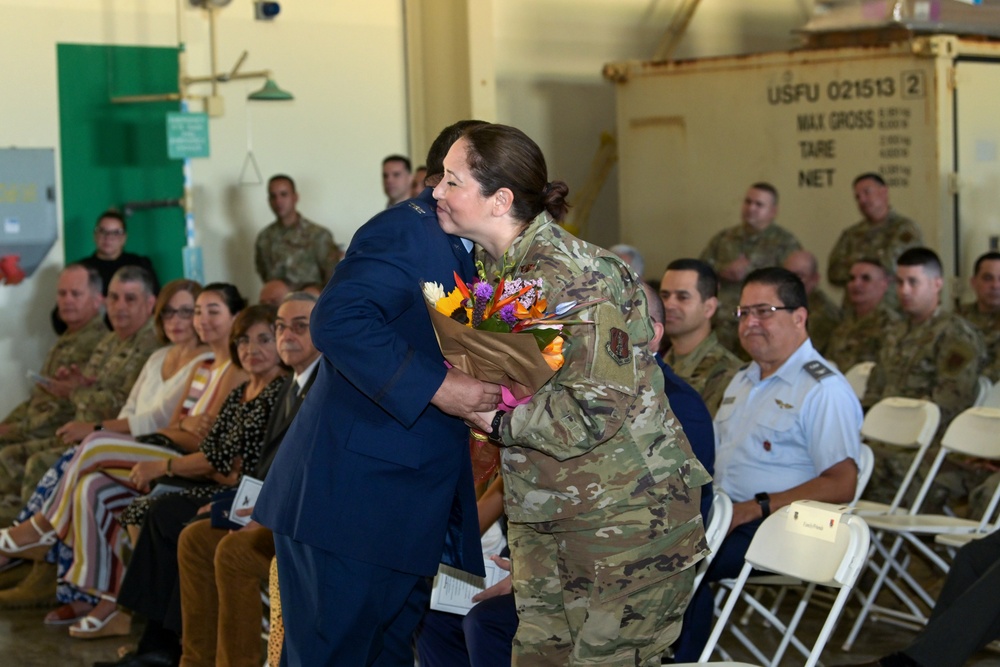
x,y
816,519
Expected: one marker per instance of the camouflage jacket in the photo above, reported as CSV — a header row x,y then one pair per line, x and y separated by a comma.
x,y
824,316
708,368
43,413
885,241
116,364
300,254
769,247
937,360
601,431
988,326
859,339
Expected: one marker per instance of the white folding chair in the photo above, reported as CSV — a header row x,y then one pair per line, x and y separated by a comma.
x,y
784,546
983,391
907,423
857,376
992,399
780,585
719,518
866,465
976,433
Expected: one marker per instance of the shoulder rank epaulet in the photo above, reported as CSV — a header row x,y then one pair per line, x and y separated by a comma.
x,y
417,207
817,370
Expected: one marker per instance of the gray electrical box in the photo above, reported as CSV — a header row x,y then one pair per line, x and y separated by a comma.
x,y
28,221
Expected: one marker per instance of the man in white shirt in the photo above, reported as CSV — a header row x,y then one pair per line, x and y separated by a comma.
x,y
788,429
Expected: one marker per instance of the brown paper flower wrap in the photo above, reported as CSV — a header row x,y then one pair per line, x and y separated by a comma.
x,y
511,360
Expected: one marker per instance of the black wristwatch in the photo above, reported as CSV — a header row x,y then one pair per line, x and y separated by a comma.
x,y
98,426
764,500
494,434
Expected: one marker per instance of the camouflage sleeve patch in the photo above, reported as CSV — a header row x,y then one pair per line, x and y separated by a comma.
x,y
612,359
959,356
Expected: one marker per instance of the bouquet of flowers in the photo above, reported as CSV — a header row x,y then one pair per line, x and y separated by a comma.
x,y
503,334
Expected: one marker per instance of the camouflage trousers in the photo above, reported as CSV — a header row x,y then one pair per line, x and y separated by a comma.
x,y
23,465
609,590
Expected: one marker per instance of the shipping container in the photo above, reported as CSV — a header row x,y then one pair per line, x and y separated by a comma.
x,y
924,113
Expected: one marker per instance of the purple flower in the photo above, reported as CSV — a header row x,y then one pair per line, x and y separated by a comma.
x,y
482,291
512,287
481,294
507,314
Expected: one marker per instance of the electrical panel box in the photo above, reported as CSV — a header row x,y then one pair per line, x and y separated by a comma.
x,y
29,224
693,135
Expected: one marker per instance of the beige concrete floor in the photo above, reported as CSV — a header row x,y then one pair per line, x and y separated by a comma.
x,y
26,642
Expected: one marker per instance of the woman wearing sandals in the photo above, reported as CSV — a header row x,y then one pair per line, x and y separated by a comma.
x,y
95,485
151,585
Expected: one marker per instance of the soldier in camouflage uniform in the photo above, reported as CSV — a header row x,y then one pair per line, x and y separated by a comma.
x,y
100,389
601,487
984,313
883,234
824,316
787,430
79,299
932,355
292,248
861,335
736,251
867,319
688,291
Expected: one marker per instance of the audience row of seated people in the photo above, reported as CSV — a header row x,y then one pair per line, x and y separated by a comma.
x,y
211,404
864,262
892,315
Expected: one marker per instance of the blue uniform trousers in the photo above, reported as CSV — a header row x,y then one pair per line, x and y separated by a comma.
x,y
698,620
345,613
482,638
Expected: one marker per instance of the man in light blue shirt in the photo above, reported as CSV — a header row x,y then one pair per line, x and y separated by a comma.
x,y
788,429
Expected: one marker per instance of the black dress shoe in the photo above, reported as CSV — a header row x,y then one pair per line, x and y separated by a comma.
x,y
152,659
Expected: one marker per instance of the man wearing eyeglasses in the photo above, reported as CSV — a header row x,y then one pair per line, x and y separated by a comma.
x,y
787,430
110,235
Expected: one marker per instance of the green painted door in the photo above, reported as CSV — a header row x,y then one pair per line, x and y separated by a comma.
x,y
113,154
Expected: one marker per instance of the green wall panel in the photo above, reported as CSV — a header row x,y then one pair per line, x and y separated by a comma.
x,y
117,153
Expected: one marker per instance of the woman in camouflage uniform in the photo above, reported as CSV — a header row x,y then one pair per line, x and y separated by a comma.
x,y
601,485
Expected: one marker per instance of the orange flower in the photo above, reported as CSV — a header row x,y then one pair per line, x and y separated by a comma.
x,y
553,353
537,310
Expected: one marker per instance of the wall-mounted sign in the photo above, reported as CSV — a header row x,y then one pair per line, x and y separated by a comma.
x,y
187,135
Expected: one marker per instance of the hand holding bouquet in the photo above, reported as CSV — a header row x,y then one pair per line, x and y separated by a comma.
x,y
501,334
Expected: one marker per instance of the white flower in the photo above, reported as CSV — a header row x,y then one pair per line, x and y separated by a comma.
x,y
433,292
